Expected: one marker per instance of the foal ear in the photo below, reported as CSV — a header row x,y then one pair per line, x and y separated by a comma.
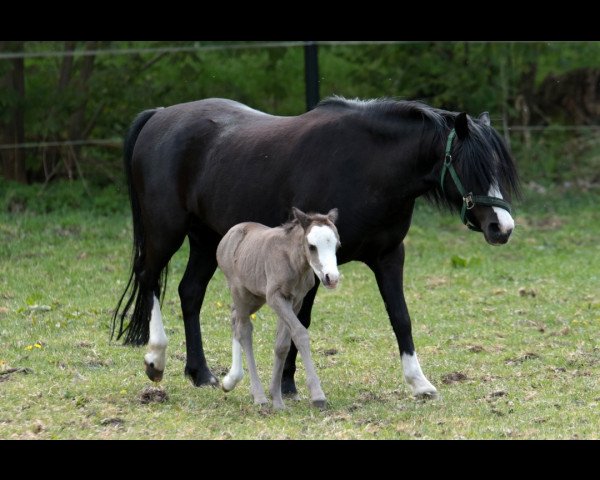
x,y
485,119
301,217
333,215
461,125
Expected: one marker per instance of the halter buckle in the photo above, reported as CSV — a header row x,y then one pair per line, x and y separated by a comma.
x,y
448,159
468,199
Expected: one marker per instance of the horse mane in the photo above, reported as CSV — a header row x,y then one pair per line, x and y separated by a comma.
x,y
388,109
317,218
482,158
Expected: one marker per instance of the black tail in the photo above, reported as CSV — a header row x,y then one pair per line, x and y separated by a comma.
x,y
138,330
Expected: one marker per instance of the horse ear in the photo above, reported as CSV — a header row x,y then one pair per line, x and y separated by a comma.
x,y
301,217
485,119
333,215
461,125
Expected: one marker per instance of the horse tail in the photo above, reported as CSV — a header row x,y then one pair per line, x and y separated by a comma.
x,y
138,329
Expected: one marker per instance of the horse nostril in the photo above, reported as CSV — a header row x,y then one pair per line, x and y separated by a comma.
x,y
494,228
327,278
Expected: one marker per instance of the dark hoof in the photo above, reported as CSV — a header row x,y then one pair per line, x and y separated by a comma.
x,y
153,374
320,404
201,378
288,388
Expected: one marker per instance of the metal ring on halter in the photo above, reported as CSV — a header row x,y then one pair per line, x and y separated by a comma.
x,y
468,199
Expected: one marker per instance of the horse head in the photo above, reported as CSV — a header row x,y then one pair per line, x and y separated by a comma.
x,y
479,177
321,241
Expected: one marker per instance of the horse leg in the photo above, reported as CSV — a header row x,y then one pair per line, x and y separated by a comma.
x,y
282,347
201,265
388,270
236,372
299,334
244,335
158,253
288,385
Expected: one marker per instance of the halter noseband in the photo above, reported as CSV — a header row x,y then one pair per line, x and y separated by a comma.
x,y
469,200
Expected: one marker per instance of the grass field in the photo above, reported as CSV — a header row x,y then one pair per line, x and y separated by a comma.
x,y
508,335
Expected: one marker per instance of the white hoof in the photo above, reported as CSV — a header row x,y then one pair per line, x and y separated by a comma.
x,y
425,392
229,382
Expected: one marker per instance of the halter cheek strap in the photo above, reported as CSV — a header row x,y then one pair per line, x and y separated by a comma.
x,y
469,200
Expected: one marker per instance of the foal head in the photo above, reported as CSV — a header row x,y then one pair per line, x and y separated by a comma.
x,y
320,242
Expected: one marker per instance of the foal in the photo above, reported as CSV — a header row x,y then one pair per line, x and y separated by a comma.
x,y
275,266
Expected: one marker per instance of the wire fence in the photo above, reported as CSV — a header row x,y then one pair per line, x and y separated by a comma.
x,y
188,48
118,142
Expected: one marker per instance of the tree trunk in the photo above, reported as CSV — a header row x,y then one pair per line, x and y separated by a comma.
x,y
12,126
51,155
77,125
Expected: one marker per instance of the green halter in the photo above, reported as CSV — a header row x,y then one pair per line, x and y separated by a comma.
x,y
469,200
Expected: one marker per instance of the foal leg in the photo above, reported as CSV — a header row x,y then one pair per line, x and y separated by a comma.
x,y
299,335
236,372
288,385
388,270
282,347
244,334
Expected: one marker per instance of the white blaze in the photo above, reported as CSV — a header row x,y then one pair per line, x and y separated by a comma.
x,y
505,221
322,237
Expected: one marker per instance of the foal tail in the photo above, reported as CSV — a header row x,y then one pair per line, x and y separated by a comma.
x,y
138,330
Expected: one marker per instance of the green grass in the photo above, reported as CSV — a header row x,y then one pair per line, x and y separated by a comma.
x,y
520,323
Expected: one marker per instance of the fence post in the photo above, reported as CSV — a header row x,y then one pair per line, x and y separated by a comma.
x,y
311,74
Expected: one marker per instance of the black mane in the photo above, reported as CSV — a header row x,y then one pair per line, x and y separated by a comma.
x,y
482,158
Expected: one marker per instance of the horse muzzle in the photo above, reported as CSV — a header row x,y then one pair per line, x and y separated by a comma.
x,y
494,235
330,280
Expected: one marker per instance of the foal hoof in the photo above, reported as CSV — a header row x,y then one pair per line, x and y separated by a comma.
x,y
153,374
427,395
201,378
228,384
320,404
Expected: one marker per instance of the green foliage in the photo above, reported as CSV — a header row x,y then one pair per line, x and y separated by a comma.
x,y
62,197
465,76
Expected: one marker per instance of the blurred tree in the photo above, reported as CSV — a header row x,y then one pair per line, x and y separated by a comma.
x,y
12,118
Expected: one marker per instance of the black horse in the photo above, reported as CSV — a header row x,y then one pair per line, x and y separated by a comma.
x,y
196,169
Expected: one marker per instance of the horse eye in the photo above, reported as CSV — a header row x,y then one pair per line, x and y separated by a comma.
x,y
312,248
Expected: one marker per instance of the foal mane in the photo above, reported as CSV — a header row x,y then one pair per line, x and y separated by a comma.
x,y
316,218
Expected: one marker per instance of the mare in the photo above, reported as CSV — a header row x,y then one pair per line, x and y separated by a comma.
x,y
196,169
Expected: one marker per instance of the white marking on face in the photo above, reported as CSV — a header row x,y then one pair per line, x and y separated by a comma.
x,y
505,221
325,241
414,375
236,372
157,345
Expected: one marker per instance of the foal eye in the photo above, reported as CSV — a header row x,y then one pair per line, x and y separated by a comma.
x,y
312,248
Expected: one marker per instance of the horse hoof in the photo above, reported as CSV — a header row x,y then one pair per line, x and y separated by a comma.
x,y
261,402
427,395
201,378
288,388
320,404
228,384
153,374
